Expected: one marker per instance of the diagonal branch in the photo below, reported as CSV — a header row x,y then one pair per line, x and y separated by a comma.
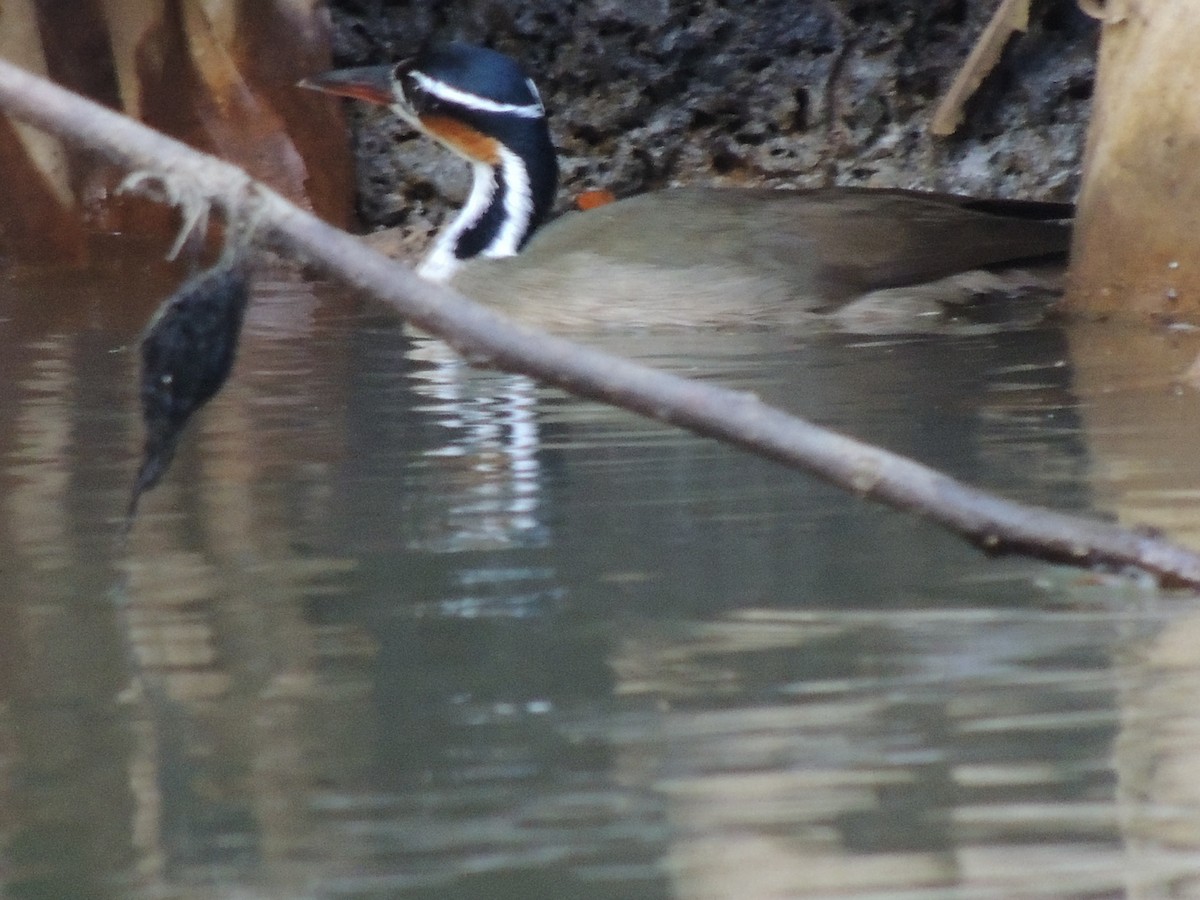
x,y
994,524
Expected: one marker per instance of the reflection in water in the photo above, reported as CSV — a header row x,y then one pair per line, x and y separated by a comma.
x,y
393,627
489,459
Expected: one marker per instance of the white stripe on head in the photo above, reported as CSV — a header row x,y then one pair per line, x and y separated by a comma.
x,y
443,91
536,94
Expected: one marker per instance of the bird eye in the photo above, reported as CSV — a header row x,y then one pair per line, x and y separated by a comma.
x,y
411,90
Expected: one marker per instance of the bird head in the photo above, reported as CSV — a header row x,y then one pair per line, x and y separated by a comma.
x,y
472,100
484,107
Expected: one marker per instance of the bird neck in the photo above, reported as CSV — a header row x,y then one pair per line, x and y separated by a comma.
x,y
509,199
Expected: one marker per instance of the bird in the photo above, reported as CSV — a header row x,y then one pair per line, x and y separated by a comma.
x,y
690,255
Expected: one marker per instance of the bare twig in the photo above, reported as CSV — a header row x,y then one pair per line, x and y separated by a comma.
x,y
1010,16
847,38
996,525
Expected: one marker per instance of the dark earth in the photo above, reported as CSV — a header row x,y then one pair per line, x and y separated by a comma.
x,y
645,94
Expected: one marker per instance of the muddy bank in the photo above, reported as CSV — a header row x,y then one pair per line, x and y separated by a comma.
x,y
776,92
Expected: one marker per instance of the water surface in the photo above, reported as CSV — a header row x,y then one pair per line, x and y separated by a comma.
x,y
392,627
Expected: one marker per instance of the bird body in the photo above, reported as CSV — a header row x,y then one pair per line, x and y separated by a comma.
x,y
727,255
682,256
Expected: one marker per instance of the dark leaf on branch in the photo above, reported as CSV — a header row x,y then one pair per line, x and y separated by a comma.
x,y
187,353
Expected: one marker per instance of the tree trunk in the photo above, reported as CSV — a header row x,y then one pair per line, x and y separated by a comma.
x,y
218,74
1137,242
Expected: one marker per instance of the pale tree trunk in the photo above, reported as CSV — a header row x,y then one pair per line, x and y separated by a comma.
x,y
1137,239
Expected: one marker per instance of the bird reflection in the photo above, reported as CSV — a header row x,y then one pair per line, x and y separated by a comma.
x,y
489,456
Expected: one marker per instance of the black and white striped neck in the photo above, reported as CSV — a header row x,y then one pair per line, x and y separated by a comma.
x,y
509,199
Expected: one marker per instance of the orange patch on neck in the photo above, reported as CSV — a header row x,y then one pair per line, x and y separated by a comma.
x,y
463,138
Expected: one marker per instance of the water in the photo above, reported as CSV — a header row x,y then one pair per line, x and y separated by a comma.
x,y
394,628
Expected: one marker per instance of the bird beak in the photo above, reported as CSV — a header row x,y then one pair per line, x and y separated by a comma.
x,y
370,83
